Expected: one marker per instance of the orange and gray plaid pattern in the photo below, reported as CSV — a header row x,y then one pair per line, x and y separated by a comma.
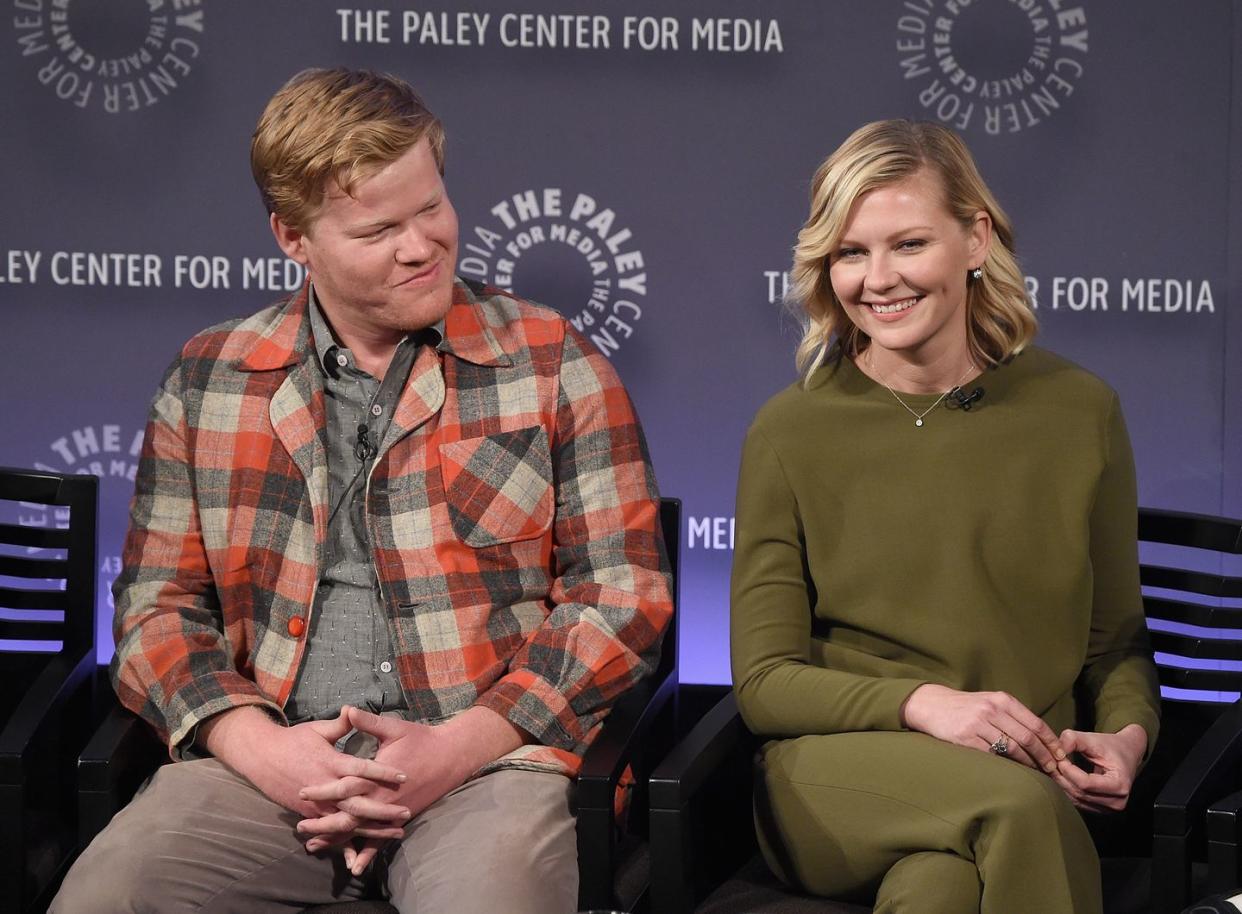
x,y
512,510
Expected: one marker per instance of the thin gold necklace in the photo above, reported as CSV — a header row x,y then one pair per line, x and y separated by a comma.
x,y
918,417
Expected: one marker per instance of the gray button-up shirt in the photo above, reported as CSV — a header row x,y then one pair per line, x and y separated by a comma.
x,y
349,656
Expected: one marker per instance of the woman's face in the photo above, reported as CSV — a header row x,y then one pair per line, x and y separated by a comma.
x,y
900,269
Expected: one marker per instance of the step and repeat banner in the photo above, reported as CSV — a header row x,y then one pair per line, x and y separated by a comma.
x,y
643,167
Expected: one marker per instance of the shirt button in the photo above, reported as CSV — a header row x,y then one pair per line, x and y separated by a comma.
x,y
297,625
341,359
386,667
377,410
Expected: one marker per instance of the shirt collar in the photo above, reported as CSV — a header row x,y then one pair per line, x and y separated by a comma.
x,y
326,345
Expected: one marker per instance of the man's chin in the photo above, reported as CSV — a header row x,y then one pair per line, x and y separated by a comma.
x,y
426,311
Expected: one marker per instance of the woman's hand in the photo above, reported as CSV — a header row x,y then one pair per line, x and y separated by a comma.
x,y
978,719
1116,758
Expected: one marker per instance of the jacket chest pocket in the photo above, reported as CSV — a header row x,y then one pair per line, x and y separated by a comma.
x,y
499,487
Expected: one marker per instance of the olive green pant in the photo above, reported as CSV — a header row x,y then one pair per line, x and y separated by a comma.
x,y
923,826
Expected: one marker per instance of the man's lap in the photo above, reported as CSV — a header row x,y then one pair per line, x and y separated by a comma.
x,y
199,837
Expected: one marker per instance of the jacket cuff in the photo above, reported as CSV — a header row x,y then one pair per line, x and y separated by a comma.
x,y
531,703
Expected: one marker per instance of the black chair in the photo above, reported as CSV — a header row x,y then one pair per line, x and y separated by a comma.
x,y
47,665
612,858
703,845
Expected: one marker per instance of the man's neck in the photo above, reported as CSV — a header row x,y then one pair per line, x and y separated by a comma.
x,y
371,347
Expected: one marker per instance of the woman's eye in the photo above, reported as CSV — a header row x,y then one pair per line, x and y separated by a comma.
x,y
849,253
911,244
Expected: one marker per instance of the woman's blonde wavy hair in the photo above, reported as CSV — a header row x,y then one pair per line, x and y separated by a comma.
x,y
999,322
334,125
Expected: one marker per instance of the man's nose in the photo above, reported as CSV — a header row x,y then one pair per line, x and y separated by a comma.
x,y
413,245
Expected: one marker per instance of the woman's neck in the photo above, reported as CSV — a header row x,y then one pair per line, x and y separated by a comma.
x,y
914,375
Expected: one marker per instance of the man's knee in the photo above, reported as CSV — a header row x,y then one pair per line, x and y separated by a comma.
x,y
107,880
504,842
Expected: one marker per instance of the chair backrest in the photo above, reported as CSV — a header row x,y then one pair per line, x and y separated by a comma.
x,y
670,526
1193,605
47,569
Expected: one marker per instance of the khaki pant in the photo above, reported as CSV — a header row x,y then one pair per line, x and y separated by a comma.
x,y
199,838
923,826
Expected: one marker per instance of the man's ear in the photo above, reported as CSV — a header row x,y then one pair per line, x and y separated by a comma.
x,y
292,241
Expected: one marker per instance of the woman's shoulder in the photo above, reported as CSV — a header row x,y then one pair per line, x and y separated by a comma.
x,y
1038,369
796,403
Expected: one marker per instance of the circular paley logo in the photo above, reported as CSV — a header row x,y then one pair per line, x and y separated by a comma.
x,y
113,55
1000,66
567,250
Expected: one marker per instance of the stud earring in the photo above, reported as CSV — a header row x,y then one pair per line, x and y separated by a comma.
x,y
976,274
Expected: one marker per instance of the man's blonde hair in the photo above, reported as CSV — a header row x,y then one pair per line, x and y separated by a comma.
x,y
334,125
999,322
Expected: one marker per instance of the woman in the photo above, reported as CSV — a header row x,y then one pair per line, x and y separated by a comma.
x,y
935,545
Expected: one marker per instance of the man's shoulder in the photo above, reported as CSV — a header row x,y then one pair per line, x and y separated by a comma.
x,y
502,309
489,325
230,340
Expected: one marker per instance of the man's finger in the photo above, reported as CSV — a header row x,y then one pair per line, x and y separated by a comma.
x,y
337,823
376,725
338,789
386,833
351,766
362,859
376,810
333,729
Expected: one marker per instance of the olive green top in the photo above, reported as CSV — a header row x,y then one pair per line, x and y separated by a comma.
x,y
993,549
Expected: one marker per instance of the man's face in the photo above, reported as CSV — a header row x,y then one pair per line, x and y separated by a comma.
x,y
382,260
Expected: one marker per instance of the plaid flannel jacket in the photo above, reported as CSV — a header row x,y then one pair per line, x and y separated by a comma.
x,y
512,511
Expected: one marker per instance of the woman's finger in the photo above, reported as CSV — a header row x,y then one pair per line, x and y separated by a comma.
x,y
1040,731
1034,748
1012,749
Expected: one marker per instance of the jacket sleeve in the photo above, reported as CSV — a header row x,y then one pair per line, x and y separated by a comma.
x,y
172,665
1118,677
610,595
780,692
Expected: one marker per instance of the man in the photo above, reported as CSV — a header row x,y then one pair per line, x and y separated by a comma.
x,y
395,490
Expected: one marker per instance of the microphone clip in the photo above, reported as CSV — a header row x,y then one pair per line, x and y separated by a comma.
x,y
959,399
364,448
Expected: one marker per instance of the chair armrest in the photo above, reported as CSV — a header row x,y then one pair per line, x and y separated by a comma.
x,y
58,683
120,755
700,798
1210,769
713,742
1224,835
625,736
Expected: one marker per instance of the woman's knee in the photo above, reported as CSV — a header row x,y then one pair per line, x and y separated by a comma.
x,y
934,882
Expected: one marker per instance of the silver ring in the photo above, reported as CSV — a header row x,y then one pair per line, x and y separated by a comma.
x,y
1001,746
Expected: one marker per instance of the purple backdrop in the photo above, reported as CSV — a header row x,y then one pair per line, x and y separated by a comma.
x,y
678,146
